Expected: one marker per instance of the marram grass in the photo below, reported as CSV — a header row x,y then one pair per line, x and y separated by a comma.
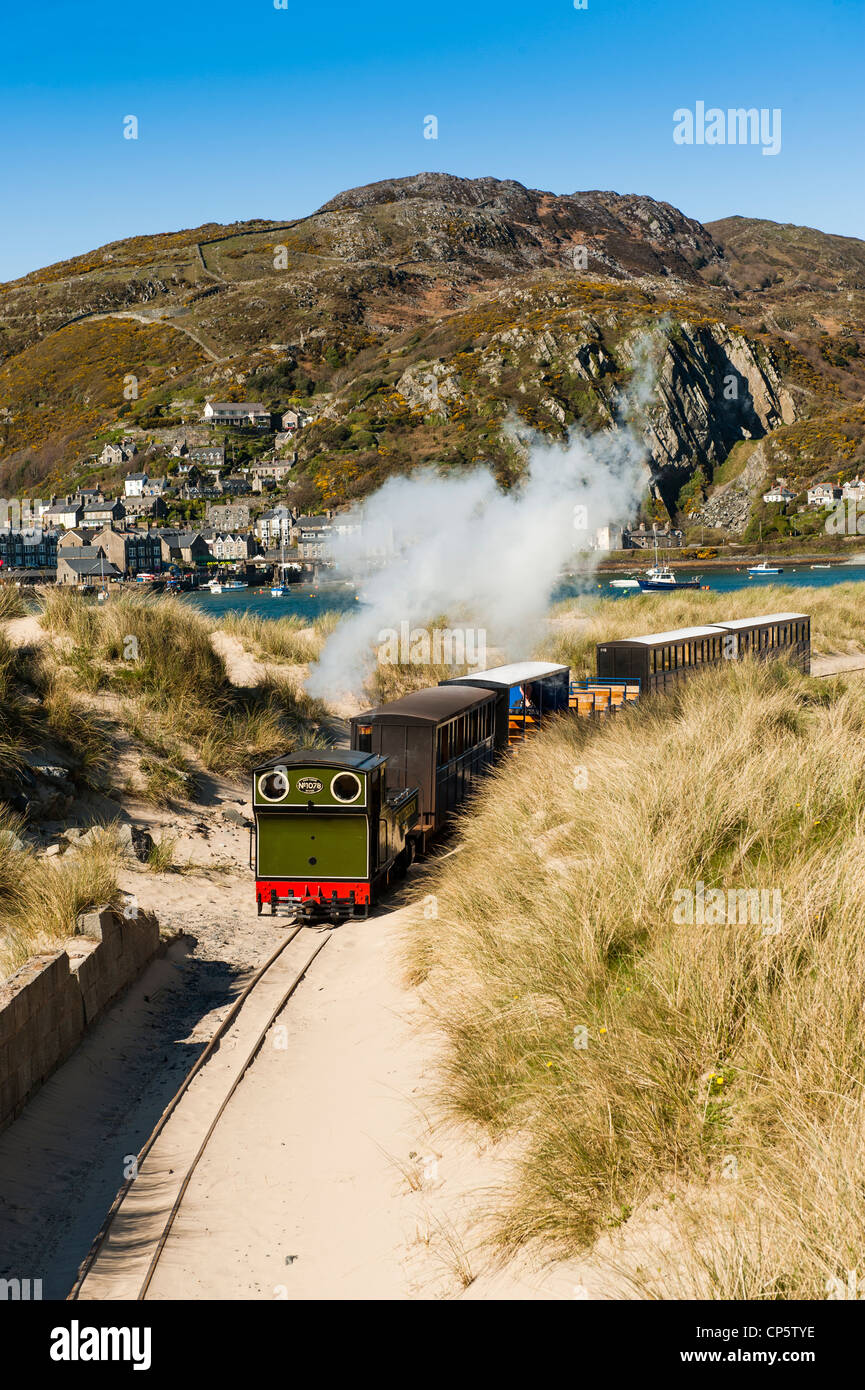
x,y
628,1051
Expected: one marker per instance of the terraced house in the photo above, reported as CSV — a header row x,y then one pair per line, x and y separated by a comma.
x,y
28,550
228,546
132,552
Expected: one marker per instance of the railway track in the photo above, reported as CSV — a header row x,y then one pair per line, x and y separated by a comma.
x,y
125,1254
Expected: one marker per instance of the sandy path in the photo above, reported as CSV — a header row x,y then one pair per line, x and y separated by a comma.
x,y
24,632
328,1176
836,663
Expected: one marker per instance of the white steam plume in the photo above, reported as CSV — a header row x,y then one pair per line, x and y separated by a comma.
x,y
430,544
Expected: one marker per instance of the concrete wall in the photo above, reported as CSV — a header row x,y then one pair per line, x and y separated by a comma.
x,y
47,1006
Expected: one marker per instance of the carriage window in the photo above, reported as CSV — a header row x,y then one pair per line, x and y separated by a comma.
x,y
444,744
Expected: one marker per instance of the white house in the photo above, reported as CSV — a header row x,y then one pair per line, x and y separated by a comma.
x,y
135,484
608,538
779,493
854,490
237,413
823,494
65,514
273,525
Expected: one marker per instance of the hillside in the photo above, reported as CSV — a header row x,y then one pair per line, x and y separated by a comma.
x,y
414,316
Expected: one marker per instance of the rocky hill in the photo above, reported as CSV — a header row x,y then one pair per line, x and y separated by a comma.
x,y
414,316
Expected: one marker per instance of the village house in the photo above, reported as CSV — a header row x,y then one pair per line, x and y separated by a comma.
x,y
823,494
229,516
135,507
132,552
114,454
223,545
238,414
314,534
274,526
278,470
28,549
646,537
779,493
293,420
135,484
103,513
76,536
208,456
182,547
85,570
156,487
66,514
608,538
855,490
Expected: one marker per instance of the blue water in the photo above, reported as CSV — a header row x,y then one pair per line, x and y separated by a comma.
x,y
726,580
308,603
303,601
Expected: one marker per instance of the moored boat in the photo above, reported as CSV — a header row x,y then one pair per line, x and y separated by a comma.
x,y
660,578
765,568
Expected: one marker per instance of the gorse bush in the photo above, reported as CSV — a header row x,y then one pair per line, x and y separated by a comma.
x,y
632,1048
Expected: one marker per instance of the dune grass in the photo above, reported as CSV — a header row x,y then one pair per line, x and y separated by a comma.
x,y
286,639
836,618
11,603
629,1049
40,899
160,659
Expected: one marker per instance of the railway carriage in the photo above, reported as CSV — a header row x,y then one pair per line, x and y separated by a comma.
x,y
440,739
527,693
660,660
330,831
786,635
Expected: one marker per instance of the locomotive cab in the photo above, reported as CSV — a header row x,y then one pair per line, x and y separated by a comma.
x,y
328,832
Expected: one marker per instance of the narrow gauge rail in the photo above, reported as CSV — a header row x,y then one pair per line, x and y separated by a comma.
x,y
335,828
126,1252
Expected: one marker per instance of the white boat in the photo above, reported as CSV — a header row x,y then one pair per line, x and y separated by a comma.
x,y
234,584
821,567
624,583
214,586
765,568
279,590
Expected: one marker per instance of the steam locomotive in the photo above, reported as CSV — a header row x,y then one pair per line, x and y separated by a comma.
x,y
334,828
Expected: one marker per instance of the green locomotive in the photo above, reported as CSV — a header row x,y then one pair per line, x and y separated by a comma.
x,y
330,834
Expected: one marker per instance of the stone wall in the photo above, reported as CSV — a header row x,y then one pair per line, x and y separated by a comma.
x,y
47,1006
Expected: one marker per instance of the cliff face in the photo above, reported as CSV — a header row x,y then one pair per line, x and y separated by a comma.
x,y
413,317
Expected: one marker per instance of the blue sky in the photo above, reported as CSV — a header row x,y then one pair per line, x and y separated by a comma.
x,y
245,110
